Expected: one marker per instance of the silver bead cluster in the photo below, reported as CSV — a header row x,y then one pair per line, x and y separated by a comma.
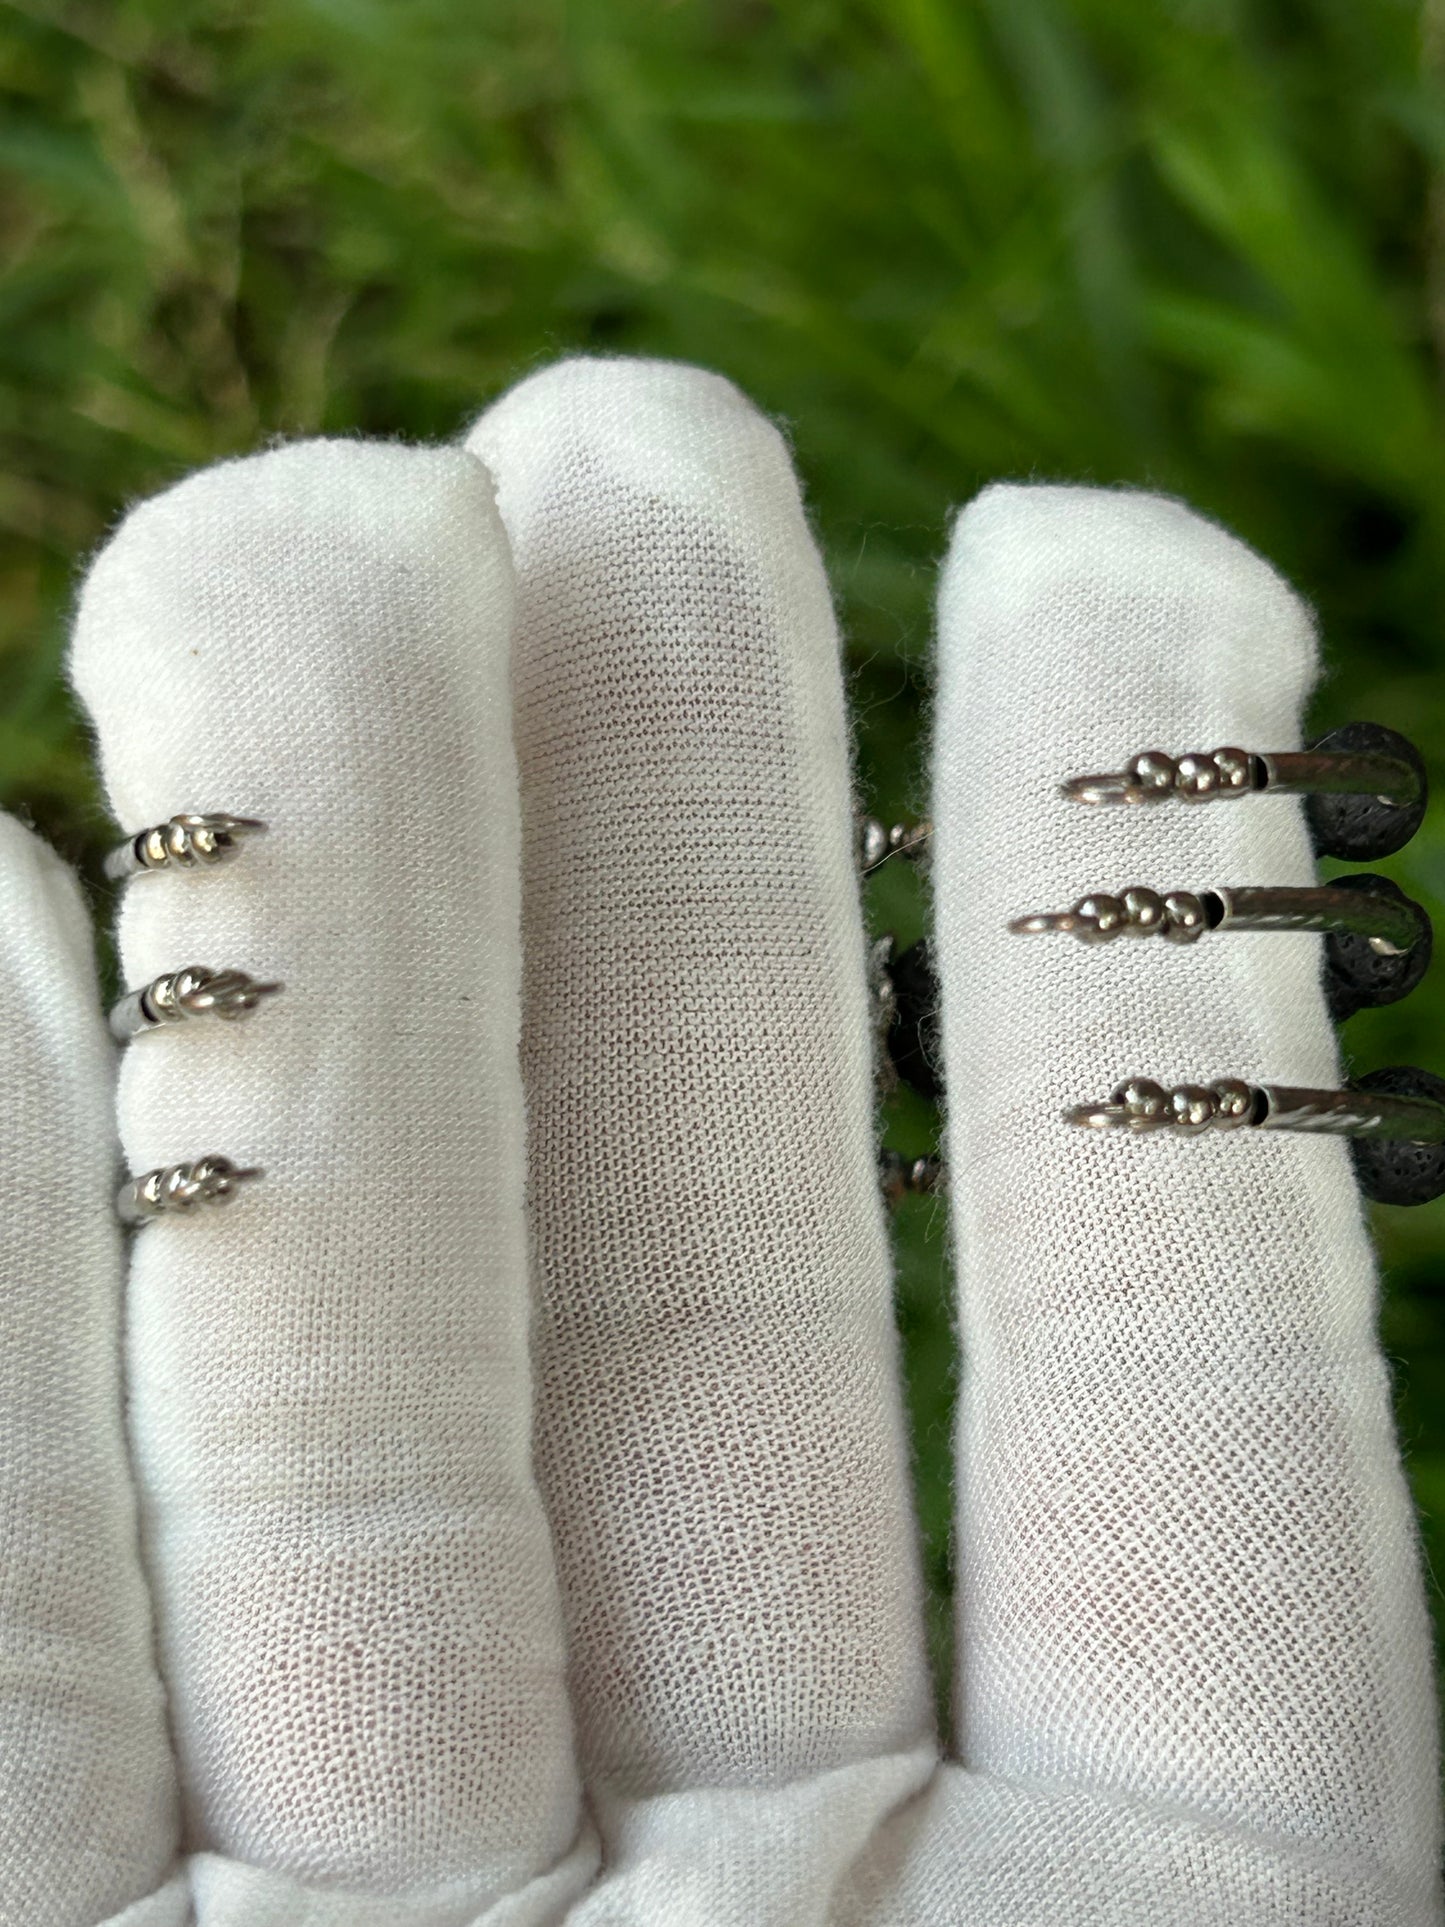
x,y
1179,916
1153,777
1139,1104
877,841
1196,776
182,1187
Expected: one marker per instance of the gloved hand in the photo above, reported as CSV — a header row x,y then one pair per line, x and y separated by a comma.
x,y
499,1512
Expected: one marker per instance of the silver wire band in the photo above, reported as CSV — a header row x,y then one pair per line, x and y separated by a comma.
x,y
182,842
178,1188
1337,772
1205,776
1139,1105
1391,924
195,991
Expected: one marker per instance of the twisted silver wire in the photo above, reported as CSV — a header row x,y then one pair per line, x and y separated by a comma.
x,y
180,1188
182,842
195,991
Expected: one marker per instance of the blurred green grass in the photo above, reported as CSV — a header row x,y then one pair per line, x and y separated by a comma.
x,y
1198,245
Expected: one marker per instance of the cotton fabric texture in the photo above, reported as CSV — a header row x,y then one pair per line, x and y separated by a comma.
x,y
499,1515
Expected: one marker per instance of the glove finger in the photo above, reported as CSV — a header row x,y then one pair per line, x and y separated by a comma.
x,y
720,1440
1187,1570
88,1811
329,1378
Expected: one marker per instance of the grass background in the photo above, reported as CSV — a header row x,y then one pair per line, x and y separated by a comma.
x,y
1198,244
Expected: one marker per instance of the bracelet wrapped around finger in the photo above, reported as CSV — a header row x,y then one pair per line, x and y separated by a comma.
x,y
1366,785
1378,941
1394,1118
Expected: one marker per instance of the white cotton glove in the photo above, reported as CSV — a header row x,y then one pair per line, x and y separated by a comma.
x,y
438,1588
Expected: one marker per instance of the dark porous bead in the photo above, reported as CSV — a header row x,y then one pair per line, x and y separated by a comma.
x,y
1357,976
1361,829
914,1040
1389,1171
